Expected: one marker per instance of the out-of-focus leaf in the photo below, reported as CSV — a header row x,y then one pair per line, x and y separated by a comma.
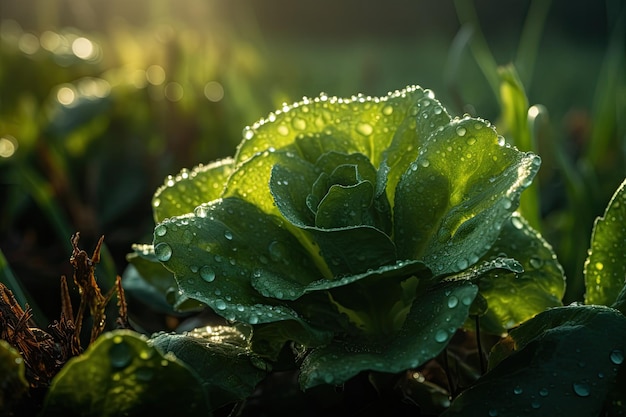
x,y
566,361
120,374
605,268
13,384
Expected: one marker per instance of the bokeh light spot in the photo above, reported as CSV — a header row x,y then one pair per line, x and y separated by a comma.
x,y
83,48
28,43
8,146
174,91
214,91
66,95
155,74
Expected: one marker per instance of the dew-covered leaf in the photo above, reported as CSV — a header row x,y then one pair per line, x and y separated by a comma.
x,y
120,374
222,358
516,296
452,200
181,193
148,280
13,384
431,322
357,124
216,253
565,361
605,268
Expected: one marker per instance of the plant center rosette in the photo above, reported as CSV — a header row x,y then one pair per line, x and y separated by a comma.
x,y
364,230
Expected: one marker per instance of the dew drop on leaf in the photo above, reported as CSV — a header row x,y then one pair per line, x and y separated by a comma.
x,y
387,110
517,223
543,392
617,357
517,390
163,252
453,301
220,305
120,353
283,130
364,129
425,163
599,266
228,235
207,273
581,389
441,336
536,262
471,140
200,211
461,131
298,123
160,230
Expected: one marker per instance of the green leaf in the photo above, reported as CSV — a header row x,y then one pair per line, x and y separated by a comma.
x,y
216,253
221,356
349,249
452,200
146,279
13,384
433,319
185,191
565,362
514,297
120,374
359,124
605,267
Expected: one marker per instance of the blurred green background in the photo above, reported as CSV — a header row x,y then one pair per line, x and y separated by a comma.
x,y
100,101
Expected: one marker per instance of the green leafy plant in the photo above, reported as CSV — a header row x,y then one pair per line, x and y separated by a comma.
x,y
365,230
351,237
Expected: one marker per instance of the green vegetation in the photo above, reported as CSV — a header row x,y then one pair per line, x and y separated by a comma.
x,y
345,254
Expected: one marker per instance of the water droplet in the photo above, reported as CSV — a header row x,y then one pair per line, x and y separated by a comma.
x,y
425,163
599,266
581,389
298,123
328,378
228,235
160,230
277,251
506,203
220,305
467,300
493,412
156,202
364,129
253,320
535,404
413,166
543,392
201,211
387,110
462,263
617,357
207,273
283,130
517,223
453,301
163,252
471,140
517,390
461,131
437,110
120,353
536,262
441,336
